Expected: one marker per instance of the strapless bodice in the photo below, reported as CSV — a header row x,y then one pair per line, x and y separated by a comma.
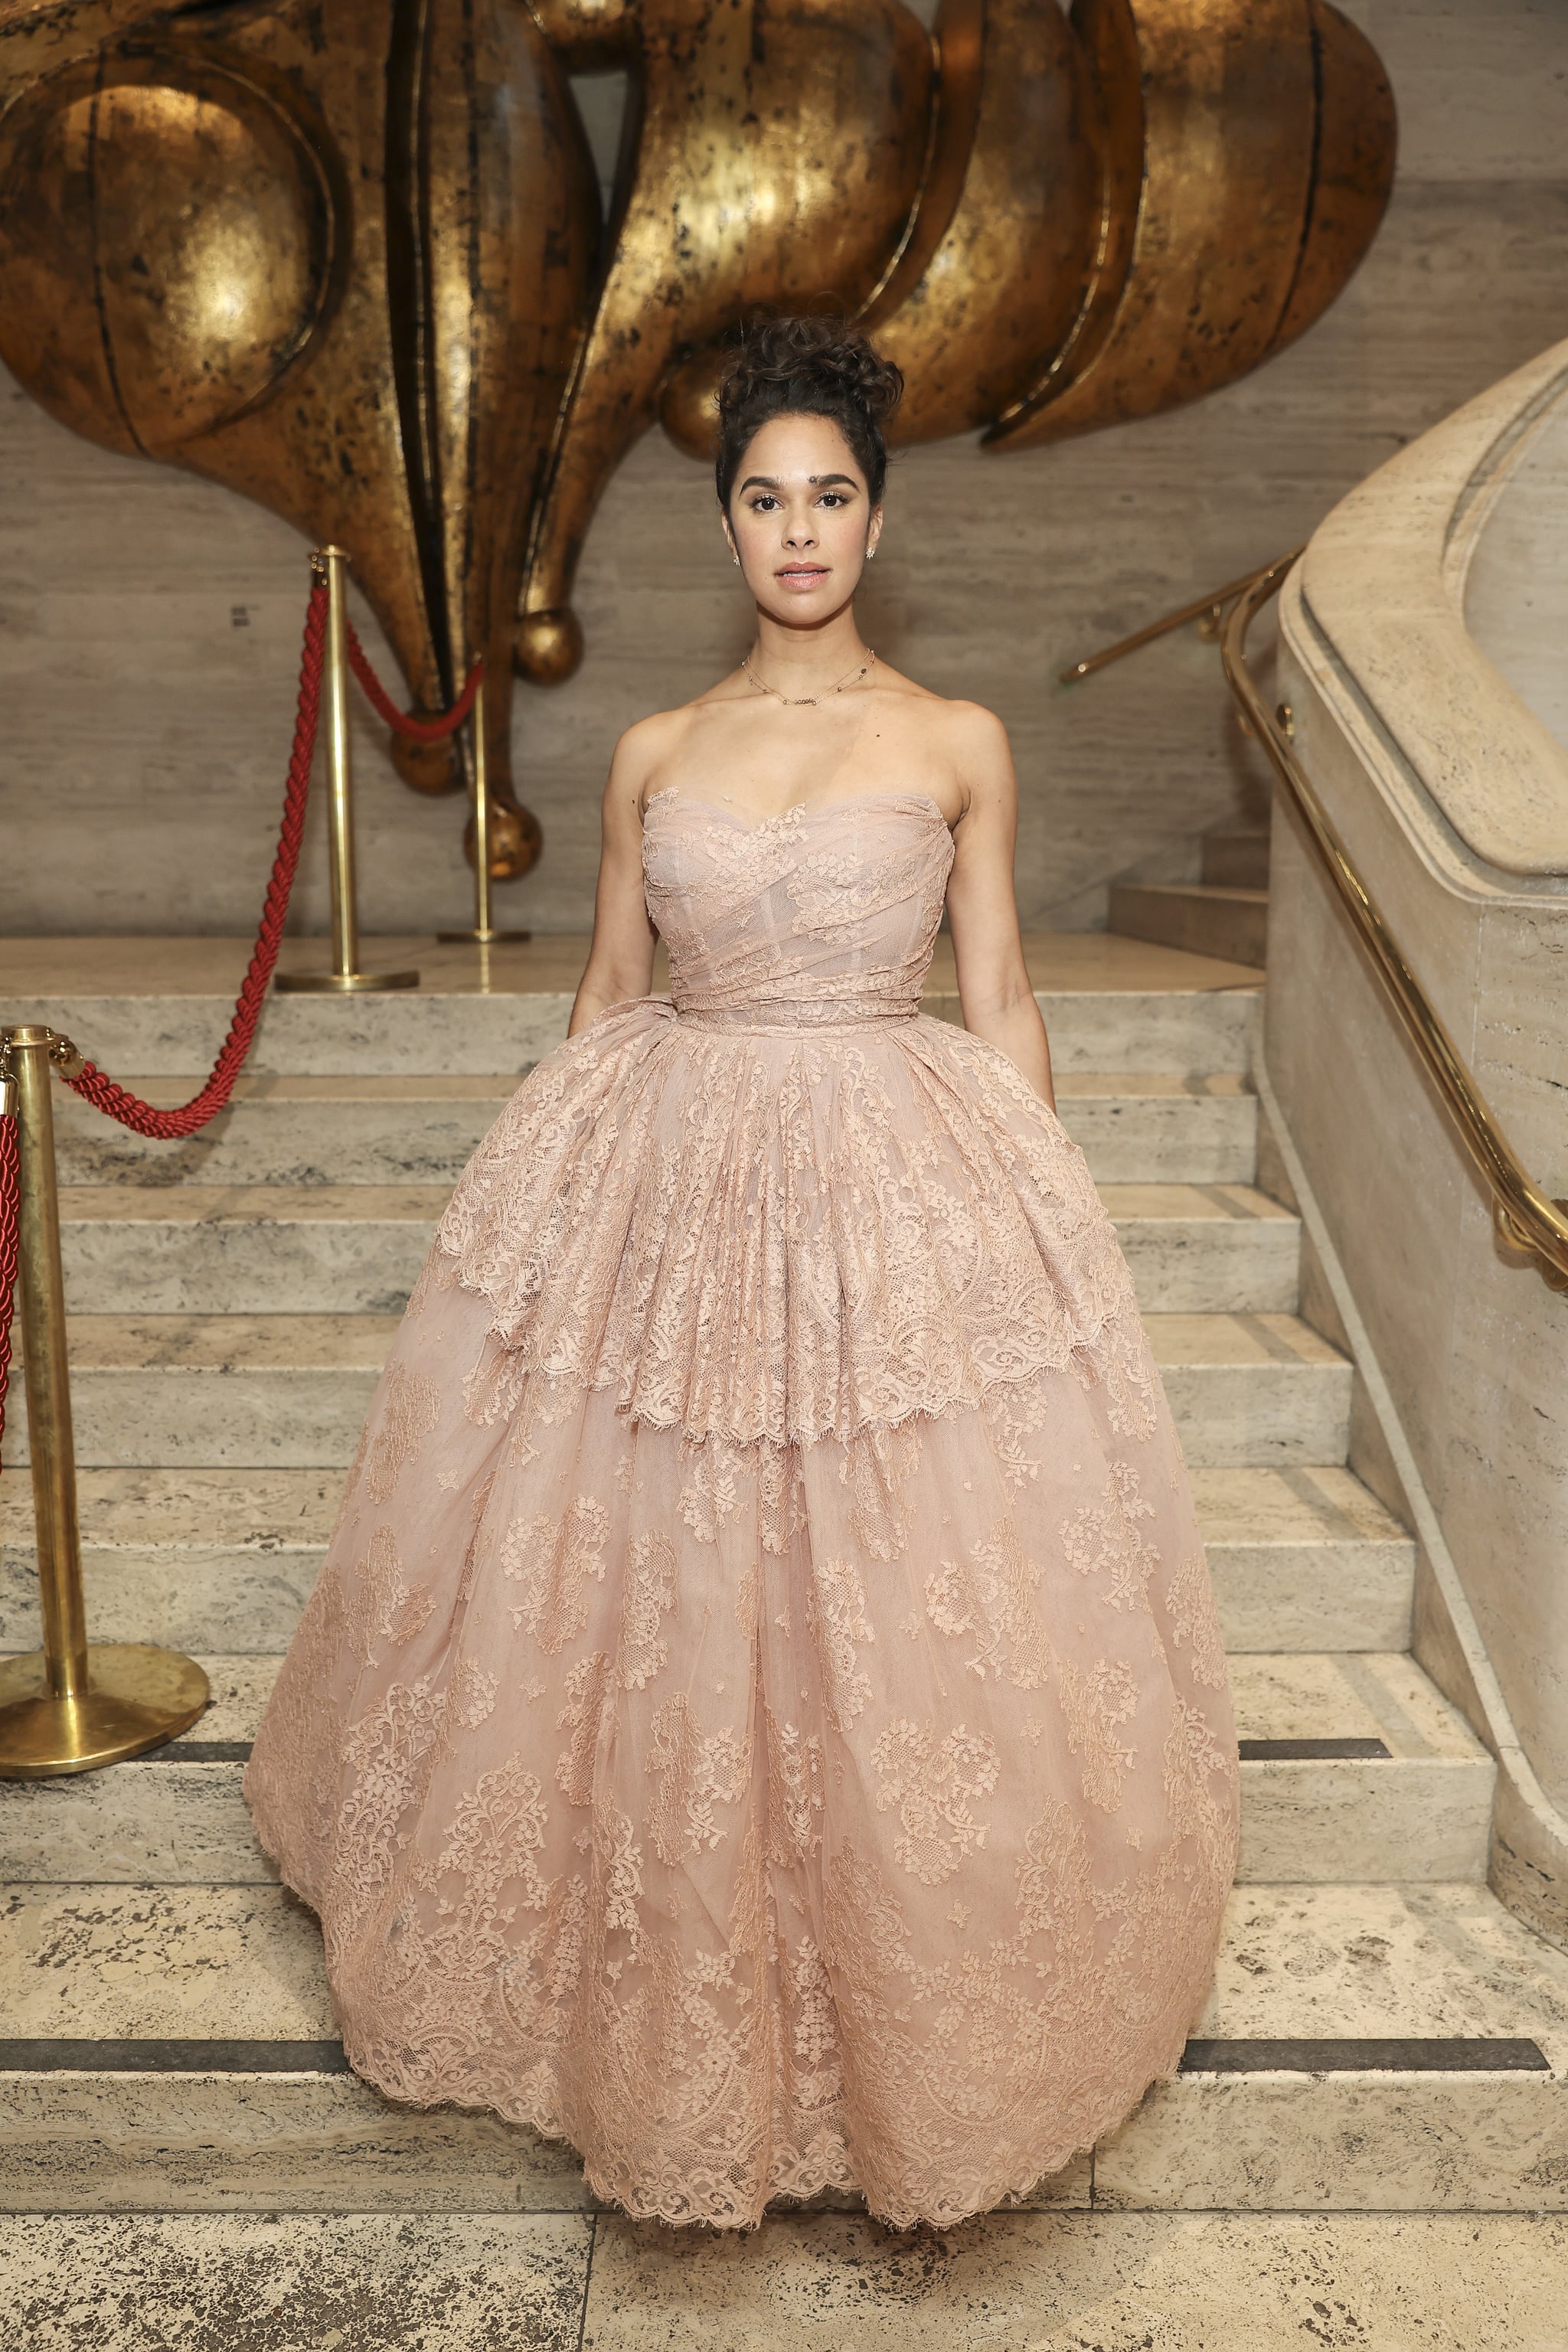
x,y
817,918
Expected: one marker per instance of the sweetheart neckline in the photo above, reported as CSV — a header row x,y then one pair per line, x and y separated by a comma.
x,y
799,808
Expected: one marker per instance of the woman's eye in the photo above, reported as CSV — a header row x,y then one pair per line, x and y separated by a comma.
x,y
833,498
760,505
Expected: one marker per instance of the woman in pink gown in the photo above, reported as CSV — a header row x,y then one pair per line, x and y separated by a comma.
x,y
763,1716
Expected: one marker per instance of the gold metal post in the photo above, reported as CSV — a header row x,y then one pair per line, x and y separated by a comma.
x,y
345,979
483,933
67,1707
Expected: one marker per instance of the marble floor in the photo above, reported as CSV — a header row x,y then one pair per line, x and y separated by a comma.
x,y
816,2283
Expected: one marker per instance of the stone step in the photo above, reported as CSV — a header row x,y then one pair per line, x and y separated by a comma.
x,y
1203,917
1419,1812
1301,1559
369,1130
1237,859
290,1390
356,1249
1408,1798
810,2280
1133,1126
223,1559
161,1006
1402,2048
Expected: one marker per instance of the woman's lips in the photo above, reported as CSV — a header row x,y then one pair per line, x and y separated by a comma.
x,y
804,576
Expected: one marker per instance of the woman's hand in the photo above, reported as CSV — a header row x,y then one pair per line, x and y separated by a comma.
x,y
620,957
994,987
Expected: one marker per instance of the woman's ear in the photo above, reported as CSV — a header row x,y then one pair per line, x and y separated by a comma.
x,y
728,535
873,532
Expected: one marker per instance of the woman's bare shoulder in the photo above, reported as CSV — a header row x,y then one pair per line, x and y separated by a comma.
x,y
646,744
953,708
647,741
973,724
970,730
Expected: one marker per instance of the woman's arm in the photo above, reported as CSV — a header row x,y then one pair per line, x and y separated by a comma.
x,y
993,990
620,957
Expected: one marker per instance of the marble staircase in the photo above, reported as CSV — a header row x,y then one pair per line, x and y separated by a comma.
x,y
1381,2031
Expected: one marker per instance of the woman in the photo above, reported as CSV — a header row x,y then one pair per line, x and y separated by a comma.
x,y
763,1716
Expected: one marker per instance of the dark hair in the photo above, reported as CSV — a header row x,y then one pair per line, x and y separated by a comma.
x,y
807,367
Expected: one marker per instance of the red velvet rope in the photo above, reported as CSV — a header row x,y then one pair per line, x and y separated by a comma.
x,y
10,1221
417,730
117,1101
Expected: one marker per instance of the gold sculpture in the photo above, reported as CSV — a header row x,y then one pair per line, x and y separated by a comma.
x,y
345,255
266,243
1247,156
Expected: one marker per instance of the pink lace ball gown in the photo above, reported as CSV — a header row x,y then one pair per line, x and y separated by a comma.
x,y
763,1716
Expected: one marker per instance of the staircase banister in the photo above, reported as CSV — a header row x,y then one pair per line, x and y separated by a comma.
x,y
1528,1222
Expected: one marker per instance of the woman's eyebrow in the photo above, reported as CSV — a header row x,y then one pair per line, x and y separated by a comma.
x,y
823,482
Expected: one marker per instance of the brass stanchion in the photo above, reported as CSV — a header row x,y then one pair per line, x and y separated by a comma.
x,y
68,1707
483,933
345,979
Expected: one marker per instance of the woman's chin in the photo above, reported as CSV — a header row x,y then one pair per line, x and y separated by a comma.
x,y
803,608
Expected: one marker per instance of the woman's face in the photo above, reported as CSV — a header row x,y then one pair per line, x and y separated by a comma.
x,y
801,520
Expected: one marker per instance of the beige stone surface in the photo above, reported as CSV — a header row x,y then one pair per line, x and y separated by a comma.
x,y
1092,2282
201,1963
364,2284
91,2142
1513,591
1383,581
1013,2283
1384,1962
1291,2142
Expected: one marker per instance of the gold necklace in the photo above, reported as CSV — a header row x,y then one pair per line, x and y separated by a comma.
x,y
795,701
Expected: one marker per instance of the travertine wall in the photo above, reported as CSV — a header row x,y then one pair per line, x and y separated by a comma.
x,y
149,623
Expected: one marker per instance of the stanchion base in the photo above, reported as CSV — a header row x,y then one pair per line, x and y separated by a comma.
x,y
482,939
342,984
136,1698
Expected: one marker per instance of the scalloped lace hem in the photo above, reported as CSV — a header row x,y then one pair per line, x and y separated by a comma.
x,y
796,2181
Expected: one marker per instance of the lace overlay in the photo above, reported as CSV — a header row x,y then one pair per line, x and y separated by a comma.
x,y
763,1716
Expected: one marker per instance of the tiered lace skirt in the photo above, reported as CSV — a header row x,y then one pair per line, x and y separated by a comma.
x,y
763,1716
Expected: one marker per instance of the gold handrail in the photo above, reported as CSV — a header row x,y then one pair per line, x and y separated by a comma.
x,y
1526,1221
1211,606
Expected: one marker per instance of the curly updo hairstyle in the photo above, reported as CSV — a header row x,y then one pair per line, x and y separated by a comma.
x,y
807,367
